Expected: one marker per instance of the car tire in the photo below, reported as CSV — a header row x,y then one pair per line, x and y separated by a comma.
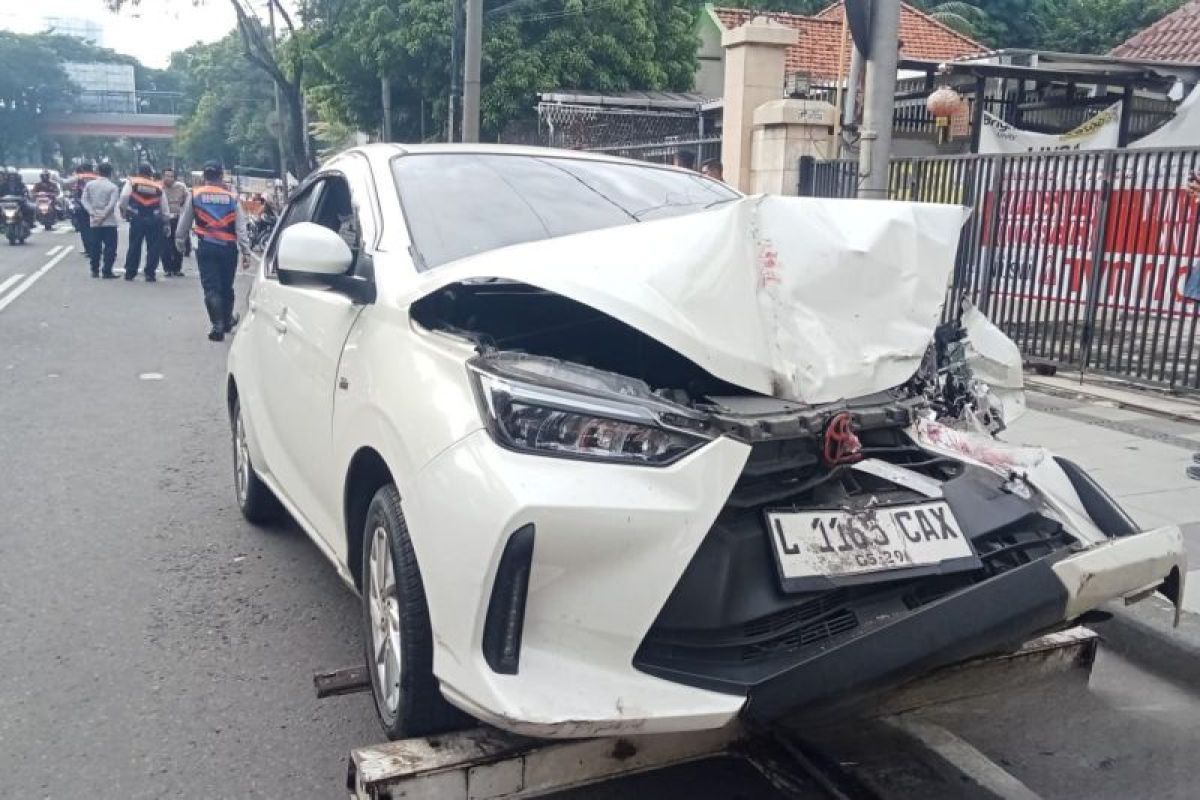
x,y
257,503
398,639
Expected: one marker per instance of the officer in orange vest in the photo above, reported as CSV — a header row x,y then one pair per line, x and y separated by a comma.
x,y
220,225
79,216
145,206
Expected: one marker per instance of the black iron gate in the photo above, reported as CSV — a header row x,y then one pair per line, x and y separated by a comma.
x,y
1082,257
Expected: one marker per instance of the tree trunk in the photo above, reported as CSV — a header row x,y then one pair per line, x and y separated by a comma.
x,y
294,108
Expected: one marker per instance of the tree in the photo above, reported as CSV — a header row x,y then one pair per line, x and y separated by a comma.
x,y
967,19
1097,26
284,64
1010,23
32,84
805,7
529,46
225,107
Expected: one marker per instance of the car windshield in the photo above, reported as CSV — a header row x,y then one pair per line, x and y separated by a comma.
x,y
459,204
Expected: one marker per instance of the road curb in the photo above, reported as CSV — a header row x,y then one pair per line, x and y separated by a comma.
x,y
1145,634
1158,404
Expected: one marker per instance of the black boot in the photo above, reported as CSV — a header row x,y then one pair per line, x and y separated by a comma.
x,y
216,333
232,322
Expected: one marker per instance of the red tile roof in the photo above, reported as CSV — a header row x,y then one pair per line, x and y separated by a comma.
x,y
921,36
1175,37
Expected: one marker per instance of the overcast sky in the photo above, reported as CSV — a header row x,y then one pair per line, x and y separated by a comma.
x,y
150,31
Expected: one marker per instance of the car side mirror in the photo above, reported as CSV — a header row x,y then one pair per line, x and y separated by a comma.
x,y
313,254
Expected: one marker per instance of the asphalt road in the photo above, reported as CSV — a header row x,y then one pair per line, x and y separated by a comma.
x,y
154,644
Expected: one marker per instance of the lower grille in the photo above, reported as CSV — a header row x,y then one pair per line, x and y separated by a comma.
x,y
728,624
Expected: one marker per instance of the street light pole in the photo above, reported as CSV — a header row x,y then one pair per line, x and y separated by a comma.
x,y
471,62
879,100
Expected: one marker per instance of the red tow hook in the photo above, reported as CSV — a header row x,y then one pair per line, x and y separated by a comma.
x,y
841,445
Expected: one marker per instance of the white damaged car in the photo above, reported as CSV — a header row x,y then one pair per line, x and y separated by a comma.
x,y
608,448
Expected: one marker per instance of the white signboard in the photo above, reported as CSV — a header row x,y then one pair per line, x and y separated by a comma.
x,y
1098,133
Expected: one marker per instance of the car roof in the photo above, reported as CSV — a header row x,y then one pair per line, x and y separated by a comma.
x,y
383,152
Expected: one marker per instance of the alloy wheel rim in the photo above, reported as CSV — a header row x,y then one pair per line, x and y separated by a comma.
x,y
241,460
384,609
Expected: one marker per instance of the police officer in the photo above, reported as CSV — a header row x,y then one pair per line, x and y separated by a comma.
x,y
80,218
145,206
220,225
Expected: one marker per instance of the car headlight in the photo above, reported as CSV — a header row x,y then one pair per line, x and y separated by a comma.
x,y
553,408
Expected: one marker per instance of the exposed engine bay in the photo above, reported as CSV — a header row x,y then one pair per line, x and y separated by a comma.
x,y
524,328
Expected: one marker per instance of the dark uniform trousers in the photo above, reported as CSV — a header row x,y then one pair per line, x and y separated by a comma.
x,y
218,267
148,229
103,241
172,259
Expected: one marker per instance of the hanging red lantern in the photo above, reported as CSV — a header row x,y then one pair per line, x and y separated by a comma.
x,y
943,102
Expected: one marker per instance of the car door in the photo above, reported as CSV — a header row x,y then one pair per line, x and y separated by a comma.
x,y
311,324
266,418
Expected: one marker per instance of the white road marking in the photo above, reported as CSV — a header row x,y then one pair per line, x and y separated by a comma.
x,y
965,758
10,282
53,250
61,231
32,279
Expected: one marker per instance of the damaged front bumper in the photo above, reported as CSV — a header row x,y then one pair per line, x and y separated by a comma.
x,y
995,615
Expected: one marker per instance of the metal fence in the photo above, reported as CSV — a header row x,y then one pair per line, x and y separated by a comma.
x,y
1057,115
664,152
647,134
123,102
1082,257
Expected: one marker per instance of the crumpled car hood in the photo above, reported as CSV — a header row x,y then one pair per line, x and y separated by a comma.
x,y
803,299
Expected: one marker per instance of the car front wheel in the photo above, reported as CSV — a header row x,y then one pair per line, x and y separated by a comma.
x,y
397,635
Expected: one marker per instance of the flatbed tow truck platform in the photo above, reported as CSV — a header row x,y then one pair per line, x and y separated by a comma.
x,y
883,751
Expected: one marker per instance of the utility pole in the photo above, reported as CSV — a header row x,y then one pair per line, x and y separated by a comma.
x,y
279,139
850,101
452,116
471,61
385,91
879,100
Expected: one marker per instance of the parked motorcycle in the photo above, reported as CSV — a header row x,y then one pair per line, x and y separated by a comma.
x,y
47,212
12,215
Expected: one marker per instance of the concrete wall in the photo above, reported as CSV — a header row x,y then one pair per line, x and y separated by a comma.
x,y
754,63
784,131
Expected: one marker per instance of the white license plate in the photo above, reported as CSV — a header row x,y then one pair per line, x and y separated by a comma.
x,y
834,542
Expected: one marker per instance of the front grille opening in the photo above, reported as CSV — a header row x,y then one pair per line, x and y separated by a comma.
x,y
840,622
1007,550
772,624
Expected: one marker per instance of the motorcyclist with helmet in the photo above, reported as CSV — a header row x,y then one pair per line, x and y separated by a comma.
x,y
13,186
46,186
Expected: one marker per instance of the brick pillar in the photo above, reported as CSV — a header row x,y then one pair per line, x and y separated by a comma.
x,y
754,73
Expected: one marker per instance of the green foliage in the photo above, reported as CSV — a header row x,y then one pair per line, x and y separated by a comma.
x,y
806,7
965,18
226,105
529,46
1096,26
32,84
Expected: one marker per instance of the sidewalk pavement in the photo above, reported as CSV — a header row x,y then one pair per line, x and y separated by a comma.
x,y
1138,457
